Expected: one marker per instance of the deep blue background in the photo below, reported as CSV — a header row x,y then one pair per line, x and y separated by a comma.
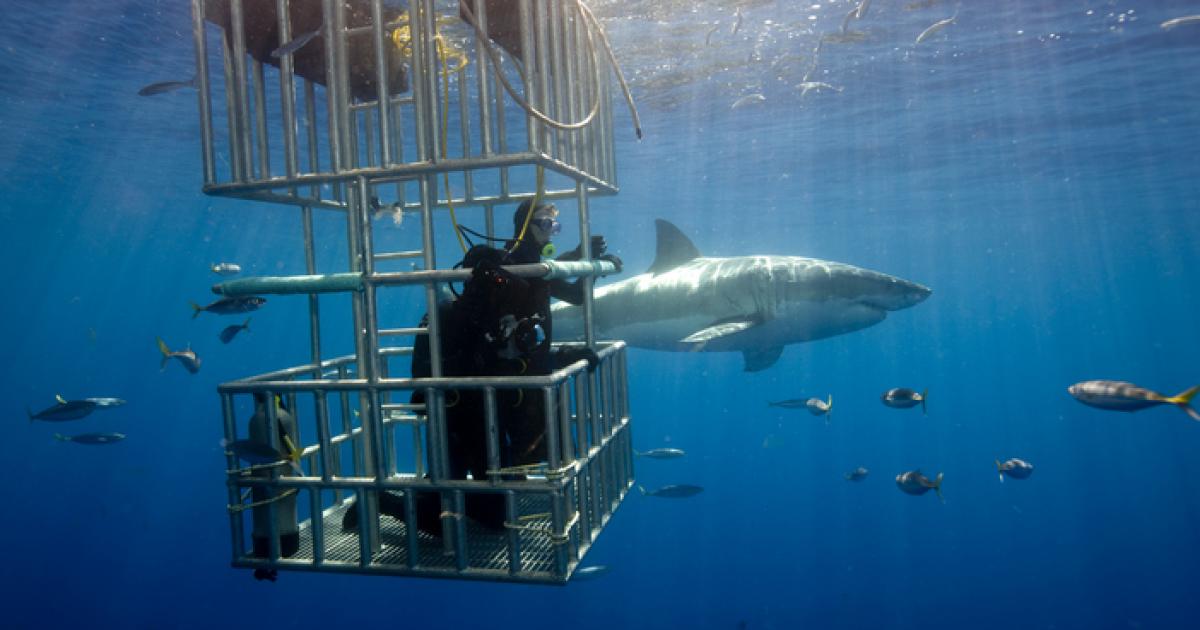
x,y
1036,164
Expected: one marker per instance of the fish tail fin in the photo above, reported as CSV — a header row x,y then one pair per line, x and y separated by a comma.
x,y
999,471
847,476
638,453
166,353
196,309
61,438
937,487
246,325
924,397
642,489
29,412
829,404
1184,399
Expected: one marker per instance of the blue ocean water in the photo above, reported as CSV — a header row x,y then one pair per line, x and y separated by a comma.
x,y
1034,163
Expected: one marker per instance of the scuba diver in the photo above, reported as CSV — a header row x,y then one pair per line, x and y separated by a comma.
x,y
499,325
286,522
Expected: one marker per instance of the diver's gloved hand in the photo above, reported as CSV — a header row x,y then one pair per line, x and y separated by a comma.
x,y
569,354
612,258
599,246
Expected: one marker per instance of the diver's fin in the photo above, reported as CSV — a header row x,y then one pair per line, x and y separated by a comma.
x,y
672,248
60,399
196,309
761,359
716,331
1184,399
999,471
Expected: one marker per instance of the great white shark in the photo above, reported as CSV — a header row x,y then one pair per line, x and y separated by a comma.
x,y
755,305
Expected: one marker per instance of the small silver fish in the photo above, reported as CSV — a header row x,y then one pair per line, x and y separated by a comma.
x,y
935,27
672,492
1125,396
590,573
187,358
106,402
162,87
64,410
231,331
915,483
1180,21
226,268
808,86
858,474
661,453
748,99
91,438
296,44
230,305
1015,468
904,398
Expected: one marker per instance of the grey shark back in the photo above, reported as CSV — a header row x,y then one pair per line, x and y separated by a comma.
x,y
750,304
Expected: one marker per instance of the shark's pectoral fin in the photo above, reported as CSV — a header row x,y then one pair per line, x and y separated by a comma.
x,y
697,340
761,359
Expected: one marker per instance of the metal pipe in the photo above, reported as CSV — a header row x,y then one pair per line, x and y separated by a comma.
x,y
204,94
287,91
553,445
556,74
317,525
514,535
573,88
525,14
460,530
332,85
235,154
314,304
272,491
239,76
485,105
236,520
310,131
423,86
383,93
464,124
410,528
412,170
492,433
324,439
260,122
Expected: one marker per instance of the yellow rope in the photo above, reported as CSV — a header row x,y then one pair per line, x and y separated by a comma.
x,y
440,44
241,508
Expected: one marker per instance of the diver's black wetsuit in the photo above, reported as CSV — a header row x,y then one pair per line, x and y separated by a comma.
x,y
470,347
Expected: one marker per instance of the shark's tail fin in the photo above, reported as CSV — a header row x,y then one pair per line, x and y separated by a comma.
x,y
1184,400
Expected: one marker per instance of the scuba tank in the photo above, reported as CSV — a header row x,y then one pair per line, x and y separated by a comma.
x,y
284,507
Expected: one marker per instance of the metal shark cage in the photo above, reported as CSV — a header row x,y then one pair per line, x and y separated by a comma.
x,y
372,106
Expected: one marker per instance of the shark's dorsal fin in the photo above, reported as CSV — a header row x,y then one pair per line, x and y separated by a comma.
x,y
672,249
761,359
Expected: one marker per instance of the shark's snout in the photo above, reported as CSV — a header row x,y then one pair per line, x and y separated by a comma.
x,y
892,294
